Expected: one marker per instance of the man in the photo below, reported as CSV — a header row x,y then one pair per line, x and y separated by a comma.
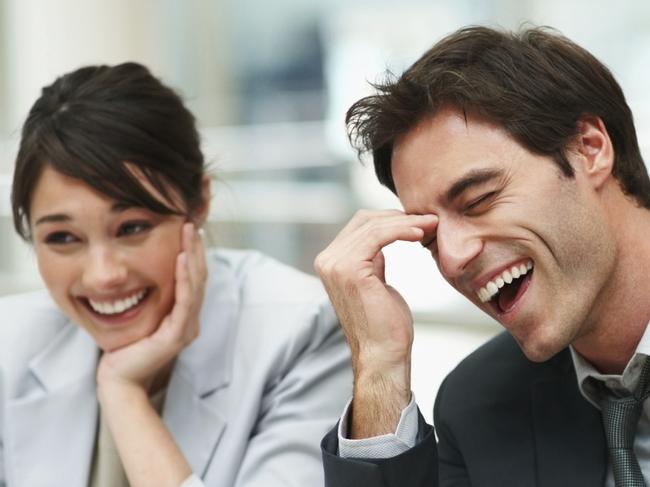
x,y
516,160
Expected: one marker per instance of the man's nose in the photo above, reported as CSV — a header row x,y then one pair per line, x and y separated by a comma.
x,y
458,244
104,269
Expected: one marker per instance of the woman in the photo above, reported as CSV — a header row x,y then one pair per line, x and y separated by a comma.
x,y
148,360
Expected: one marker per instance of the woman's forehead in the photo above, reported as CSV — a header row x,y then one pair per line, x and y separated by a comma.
x,y
55,189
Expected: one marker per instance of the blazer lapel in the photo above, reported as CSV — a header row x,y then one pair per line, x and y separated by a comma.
x,y
58,409
196,408
194,424
568,432
59,406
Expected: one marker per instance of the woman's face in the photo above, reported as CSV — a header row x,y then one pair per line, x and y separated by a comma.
x,y
110,268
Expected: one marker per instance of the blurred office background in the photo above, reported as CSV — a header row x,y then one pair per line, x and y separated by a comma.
x,y
269,83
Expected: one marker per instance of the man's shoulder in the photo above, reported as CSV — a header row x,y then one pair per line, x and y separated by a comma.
x,y
498,372
500,357
494,410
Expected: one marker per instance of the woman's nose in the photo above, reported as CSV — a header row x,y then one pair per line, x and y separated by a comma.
x,y
104,269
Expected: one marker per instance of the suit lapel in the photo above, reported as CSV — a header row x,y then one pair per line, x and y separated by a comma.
x,y
196,407
570,445
51,427
194,424
59,405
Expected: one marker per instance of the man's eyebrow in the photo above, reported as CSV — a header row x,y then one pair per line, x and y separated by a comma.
x,y
64,217
472,178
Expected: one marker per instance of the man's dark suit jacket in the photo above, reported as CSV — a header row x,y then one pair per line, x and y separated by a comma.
x,y
502,421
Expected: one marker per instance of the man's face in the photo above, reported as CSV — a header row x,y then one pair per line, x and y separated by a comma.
x,y
524,243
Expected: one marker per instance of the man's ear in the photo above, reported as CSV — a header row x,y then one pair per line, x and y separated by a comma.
x,y
203,210
593,150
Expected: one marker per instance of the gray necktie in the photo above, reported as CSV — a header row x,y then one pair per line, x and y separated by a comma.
x,y
620,418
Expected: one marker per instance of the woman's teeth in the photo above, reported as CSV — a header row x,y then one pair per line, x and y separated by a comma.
x,y
492,288
117,306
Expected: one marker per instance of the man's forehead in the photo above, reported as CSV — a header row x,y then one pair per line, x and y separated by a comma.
x,y
444,155
429,140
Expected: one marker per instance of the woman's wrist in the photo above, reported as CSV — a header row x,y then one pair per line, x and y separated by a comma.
x,y
138,429
120,392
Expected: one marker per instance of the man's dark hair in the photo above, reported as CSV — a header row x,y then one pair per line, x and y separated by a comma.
x,y
99,123
535,84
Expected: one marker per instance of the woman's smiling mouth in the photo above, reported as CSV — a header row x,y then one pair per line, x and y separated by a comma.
x,y
115,308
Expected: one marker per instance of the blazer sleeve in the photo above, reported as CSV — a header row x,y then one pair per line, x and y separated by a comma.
x,y
2,471
192,481
2,436
2,466
416,467
283,450
451,465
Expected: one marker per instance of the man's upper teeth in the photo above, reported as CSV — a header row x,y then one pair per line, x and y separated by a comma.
x,y
117,306
488,291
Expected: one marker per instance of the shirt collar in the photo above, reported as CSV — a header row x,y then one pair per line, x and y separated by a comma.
x,y
586,373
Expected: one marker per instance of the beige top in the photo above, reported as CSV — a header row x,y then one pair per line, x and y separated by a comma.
x,y
106,469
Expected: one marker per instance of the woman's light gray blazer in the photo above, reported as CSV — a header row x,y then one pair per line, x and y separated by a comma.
x,y
247,402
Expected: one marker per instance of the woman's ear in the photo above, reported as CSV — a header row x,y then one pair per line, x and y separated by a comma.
x,y
594,152
202,211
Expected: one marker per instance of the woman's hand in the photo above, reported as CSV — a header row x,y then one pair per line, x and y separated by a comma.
x,y
141,362
125,376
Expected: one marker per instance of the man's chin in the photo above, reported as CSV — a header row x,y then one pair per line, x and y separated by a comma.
x,y
537,350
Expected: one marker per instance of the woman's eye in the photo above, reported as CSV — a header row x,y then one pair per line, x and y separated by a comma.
x,y
133,228
60,238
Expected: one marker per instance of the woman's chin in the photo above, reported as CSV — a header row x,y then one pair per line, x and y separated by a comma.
x,y
112,340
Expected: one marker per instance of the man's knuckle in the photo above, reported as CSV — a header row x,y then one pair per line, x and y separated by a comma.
x,y
340,271
320,262
361,216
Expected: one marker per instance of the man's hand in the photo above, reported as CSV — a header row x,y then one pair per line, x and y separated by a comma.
x,y
375,318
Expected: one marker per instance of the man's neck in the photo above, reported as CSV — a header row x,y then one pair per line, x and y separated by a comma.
x,y
619,319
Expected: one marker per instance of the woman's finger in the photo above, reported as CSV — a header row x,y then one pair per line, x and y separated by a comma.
x,y
189,249
201,264
180,312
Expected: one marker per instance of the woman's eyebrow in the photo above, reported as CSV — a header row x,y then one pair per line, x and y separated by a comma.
x,y
54,218
120,207
64,217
